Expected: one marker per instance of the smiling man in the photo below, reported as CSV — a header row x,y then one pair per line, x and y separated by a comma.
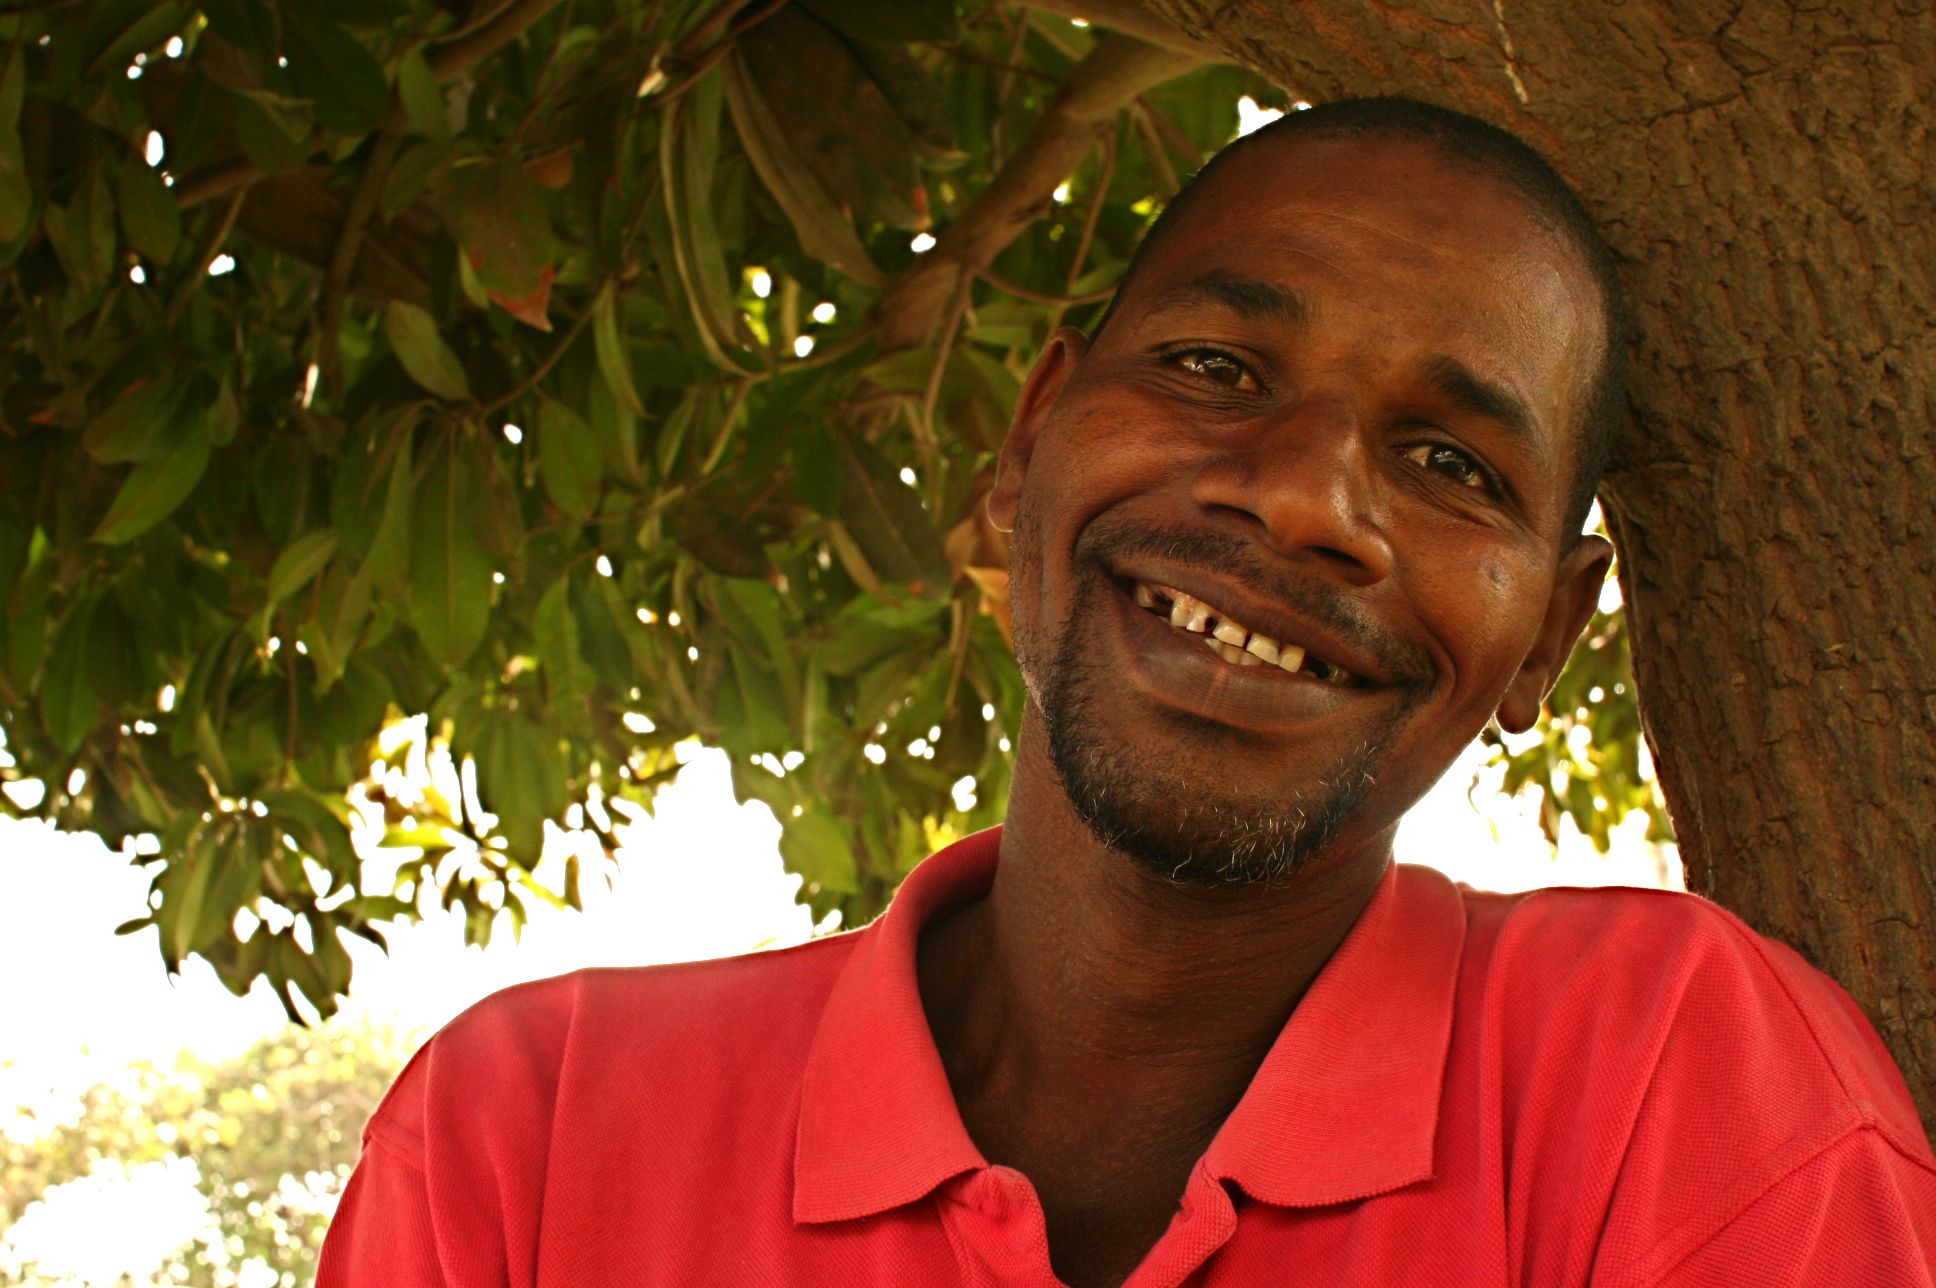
x,y
1296,522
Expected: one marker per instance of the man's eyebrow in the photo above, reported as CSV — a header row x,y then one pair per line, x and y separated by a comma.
x,y
1262,301
1474,395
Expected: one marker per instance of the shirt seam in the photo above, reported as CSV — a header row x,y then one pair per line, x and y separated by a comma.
x,y
1671,1253
408,1153
1872,1119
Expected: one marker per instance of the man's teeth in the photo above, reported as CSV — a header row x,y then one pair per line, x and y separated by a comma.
x,y
1233,642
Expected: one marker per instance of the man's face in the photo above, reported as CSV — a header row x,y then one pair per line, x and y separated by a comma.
x,y
1332,415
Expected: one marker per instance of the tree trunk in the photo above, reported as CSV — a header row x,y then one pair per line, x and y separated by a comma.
x,y
1764,171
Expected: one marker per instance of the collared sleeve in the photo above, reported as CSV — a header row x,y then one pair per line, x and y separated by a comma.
x,y
382,1232
1858,1212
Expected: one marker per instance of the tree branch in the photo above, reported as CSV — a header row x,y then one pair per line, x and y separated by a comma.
x,y
1114,73
1038,297
446,63
1132,19
342,260
453,59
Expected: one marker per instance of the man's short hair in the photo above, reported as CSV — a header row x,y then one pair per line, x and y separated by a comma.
x,y
1469,142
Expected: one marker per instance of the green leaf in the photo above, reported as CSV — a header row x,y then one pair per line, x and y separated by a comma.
x,y
824,231
82,233
388,562
422,97
688,155
755,613
885,518
140,425
614,362
149,218
617,431
554,628
68,697
274,130
190,913
301,560
568,459
816,470
520,778
143,29
917,99
854,140
450,582
317,824
503,228
151,493
815,846
413,334
332,635
335,70
419,165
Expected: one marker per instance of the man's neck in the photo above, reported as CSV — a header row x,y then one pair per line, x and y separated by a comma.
x,y
1098,1023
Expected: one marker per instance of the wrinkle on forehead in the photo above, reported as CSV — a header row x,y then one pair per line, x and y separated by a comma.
x,y
1538,300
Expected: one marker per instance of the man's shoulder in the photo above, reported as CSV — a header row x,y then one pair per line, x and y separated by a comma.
x,y
1622,937
1616,927
659,1002
628,1032
1667,992
1654,959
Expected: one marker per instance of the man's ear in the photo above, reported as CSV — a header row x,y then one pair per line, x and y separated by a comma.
x,y
1576,591
1039,394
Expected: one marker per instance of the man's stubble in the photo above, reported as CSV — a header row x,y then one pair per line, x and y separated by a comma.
x,y
1190,823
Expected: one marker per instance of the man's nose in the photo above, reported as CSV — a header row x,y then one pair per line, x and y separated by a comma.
x,y
1307,478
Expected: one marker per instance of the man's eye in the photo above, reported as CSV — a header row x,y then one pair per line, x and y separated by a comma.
x,y
1212,365
1450,462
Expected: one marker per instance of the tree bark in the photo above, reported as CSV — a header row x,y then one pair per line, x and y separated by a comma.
x,y
1764,170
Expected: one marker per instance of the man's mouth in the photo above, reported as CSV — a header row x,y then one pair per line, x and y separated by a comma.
x,y
1234,642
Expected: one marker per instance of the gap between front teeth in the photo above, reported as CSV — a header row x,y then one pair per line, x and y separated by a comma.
x,y
1232,642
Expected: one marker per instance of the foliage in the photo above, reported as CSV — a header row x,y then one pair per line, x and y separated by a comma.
x,y
564,370
1585,759
273,1134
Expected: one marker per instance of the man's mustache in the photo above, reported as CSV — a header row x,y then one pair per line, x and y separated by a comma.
x,y
1119,538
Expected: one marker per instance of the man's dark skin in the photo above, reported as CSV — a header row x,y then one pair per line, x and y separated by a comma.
x,y
1098,1021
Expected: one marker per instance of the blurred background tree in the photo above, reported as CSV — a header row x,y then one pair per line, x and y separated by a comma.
x,y
268,1138
588,375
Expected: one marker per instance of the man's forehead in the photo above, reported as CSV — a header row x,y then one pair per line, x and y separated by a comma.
x,y
1322,197
1477,294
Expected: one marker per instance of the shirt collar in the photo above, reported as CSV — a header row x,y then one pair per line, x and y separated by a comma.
x,y
878,1122
1344,1106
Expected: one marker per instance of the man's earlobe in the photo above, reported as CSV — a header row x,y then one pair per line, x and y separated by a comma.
x,y
1039,393
1576,592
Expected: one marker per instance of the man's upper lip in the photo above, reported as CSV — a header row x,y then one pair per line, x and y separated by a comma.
x,y
1278,620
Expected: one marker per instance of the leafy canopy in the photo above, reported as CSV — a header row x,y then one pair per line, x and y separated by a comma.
x,y
566,371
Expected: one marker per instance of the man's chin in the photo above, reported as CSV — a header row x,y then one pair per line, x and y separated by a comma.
x,y
1190,829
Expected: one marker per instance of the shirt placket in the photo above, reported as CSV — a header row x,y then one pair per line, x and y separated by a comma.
x,y
1204,1222
995,1223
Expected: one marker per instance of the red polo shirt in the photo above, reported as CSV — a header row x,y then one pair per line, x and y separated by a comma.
x,y
1622,1088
